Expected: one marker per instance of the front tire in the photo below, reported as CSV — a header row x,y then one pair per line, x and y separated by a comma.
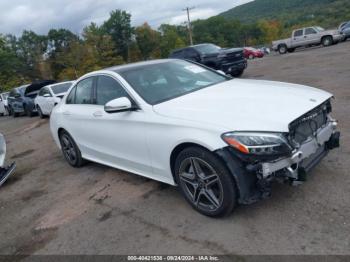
x,y
70,150
205,182
40,113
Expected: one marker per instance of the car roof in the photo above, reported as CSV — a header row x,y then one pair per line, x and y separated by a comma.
x,y
124,67
60,83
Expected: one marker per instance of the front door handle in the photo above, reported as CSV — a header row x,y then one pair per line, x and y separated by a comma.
x,y
97,114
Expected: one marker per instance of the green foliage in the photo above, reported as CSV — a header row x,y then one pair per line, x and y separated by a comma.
x,y
118,26
63,55
327,13
171,37
147,40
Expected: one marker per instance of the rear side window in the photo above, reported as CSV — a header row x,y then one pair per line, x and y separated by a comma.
x,y
108,89
83,92
177,54
298,33
310,31
61,88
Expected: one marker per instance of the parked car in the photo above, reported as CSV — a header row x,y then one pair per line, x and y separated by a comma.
x,y
15,100
229,60
344,28
3,101
5,171
2,107
184,124
21,99
251,53
49,96
308,36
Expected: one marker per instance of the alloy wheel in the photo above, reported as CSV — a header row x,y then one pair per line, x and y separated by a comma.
x,y
201,184
68,148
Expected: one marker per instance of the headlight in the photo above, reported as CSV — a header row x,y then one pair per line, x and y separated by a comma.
x,y
258,143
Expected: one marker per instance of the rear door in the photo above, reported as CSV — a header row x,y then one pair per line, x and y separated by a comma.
x,y
298,38
78,111
311,36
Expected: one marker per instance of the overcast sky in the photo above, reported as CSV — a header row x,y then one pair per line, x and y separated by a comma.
x,y
42,15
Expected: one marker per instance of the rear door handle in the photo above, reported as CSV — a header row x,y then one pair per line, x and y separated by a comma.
x,y
97,114
66,113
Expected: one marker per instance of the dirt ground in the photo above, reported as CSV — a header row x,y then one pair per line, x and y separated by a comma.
x,y
48,207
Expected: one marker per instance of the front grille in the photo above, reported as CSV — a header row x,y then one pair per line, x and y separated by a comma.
x,y
307,125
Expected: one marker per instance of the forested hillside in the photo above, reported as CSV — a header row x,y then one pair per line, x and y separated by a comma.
x,y
323,12
62,55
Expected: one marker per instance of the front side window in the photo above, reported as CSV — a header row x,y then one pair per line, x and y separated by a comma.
x,y
298,33
108,89
41,92
163,81
83,93
61,88
71,96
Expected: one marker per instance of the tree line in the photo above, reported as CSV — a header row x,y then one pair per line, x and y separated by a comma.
x,y
63,55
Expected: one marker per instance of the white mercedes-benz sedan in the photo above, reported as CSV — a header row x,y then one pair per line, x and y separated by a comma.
x,y
221,140
49,96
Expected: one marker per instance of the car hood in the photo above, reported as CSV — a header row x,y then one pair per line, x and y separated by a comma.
x,y
245,105
224,51
35,87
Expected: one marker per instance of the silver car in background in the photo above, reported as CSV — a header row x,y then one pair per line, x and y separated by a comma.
x,y
5,171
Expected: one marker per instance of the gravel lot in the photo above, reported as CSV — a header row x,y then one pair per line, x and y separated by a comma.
x,y
48,207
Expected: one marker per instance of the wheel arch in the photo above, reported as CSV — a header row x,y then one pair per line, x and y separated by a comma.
x,y
178,149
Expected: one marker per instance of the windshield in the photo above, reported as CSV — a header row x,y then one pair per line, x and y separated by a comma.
x,y
319,28
156,83
207,48
61,88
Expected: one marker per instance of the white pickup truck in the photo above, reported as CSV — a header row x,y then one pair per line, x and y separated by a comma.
x,y
308,36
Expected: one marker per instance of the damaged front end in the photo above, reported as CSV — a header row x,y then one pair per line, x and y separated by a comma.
x,y
284,157
5,171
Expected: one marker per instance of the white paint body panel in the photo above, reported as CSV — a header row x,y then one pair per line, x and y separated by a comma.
x,y
141,141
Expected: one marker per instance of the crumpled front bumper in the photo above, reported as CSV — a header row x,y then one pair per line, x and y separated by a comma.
x,y
253,178
306,156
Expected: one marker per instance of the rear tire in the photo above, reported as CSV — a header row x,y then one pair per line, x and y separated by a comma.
x,y
70,150
327,41
205,182
28,112
237,74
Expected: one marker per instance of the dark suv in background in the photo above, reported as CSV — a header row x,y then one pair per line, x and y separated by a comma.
x,y
229,60
21,99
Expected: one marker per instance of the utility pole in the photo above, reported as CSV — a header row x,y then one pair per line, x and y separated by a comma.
x,y
189,22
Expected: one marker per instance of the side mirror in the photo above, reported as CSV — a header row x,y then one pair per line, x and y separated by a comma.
x,y
121,104
17,95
